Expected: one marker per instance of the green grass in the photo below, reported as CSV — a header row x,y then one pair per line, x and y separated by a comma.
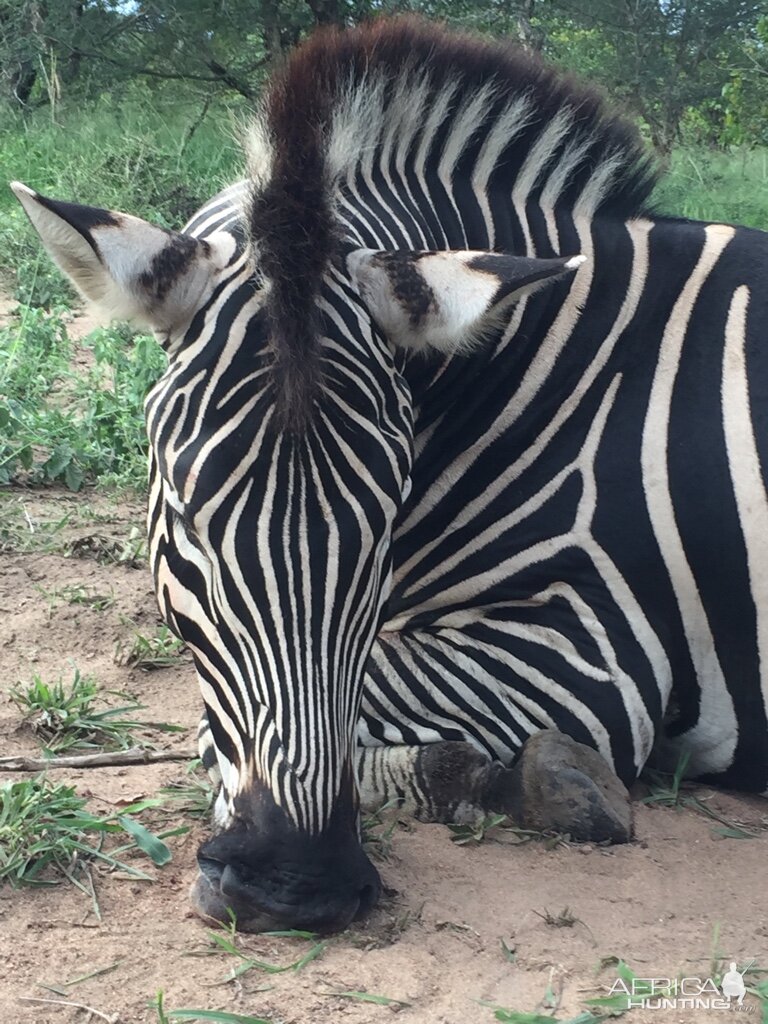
x,y
60,427
160,650
378,830
157,159
67,716
226,941
47,835
130,551
616,1004
368,997
721,186
193,795
478,832
78,594
665,790
521,1017
19,532
129,153
28,525
219,1016
495,826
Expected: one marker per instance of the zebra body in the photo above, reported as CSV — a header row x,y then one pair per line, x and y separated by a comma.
x,y
407,488
556,593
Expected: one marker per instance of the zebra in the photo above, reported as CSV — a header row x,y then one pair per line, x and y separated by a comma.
x,y
459,455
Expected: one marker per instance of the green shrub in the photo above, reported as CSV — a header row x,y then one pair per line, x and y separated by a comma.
x,y
56,427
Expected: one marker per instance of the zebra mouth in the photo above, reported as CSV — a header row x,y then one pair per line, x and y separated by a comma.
x,y
219,894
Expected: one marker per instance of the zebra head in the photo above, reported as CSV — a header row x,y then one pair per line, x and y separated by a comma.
x,y
281,450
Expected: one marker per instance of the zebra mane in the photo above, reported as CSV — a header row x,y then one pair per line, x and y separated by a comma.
x,y
338,102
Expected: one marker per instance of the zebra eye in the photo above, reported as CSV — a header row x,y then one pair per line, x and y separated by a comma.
x,y
180,518
184,523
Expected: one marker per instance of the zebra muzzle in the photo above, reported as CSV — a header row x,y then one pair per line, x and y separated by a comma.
x,y
269,874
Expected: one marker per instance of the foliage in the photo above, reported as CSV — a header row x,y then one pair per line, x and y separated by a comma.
x,y
56,427
226,941
665,60
694,62
220,1016
67,716
193,796
46,833
78,594
476,833
134,106
158,157
151,652
731,186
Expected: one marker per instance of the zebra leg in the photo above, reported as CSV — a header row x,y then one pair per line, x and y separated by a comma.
x,y
556,784
438,782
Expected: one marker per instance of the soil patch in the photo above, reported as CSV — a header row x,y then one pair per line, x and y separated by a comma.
x,y
435,943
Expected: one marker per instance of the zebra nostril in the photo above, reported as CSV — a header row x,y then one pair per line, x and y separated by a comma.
x,y
368,897
211,869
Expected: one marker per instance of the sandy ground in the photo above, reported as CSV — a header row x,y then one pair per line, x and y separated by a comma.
x,y
435,943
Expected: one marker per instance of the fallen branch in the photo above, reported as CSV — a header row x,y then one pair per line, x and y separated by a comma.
x,y
135,755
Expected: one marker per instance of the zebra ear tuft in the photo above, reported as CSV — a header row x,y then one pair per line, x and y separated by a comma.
x,y
446,300
123,266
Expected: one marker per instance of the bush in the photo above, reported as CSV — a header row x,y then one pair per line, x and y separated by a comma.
x,y
57,427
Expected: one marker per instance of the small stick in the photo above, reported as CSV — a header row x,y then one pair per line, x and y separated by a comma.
x,y
135,755
27,516
65,1002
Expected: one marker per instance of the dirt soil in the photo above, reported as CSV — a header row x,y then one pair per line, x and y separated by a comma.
x,y
435,942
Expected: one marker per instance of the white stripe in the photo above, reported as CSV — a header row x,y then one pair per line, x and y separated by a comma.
x,y
744,464
713,738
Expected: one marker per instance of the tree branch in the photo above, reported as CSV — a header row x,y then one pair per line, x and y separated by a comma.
x,y
135,755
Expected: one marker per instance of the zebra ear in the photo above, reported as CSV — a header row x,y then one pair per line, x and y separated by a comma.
x,y
124,267
445,300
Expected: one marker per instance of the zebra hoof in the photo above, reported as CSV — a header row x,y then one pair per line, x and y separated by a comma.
x,y
559,784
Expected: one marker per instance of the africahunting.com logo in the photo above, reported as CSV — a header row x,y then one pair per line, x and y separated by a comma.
x,y
682,993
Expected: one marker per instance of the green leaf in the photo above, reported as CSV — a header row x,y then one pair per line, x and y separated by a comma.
x,y
25,456
509,951
59,459
313,954
73,476
147,803
154,848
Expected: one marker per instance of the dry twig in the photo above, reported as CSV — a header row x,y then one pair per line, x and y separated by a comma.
x,y
65,1002
135,755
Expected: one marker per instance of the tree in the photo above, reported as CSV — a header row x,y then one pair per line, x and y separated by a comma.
x,y
661,57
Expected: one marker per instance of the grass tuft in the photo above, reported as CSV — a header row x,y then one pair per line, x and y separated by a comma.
x,y
161,650
194,795
378,830
78,594
66,716
45,829
368,997
673,791
477,833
